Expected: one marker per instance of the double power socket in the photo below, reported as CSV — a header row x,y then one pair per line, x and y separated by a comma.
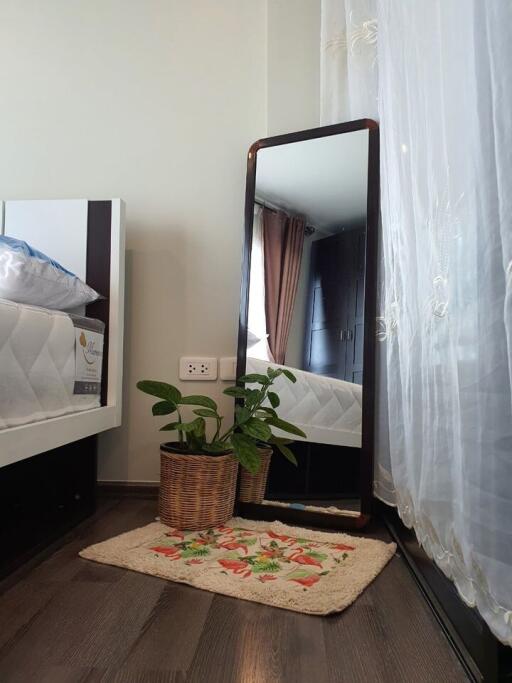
x,y
206,369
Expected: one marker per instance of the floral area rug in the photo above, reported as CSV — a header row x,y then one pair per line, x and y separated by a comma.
x,y
297,569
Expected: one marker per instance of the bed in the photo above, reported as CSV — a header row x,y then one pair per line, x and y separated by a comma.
x,y
328,410
42,404
60,374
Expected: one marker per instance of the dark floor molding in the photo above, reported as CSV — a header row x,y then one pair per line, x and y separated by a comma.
x,y
485,659
132,489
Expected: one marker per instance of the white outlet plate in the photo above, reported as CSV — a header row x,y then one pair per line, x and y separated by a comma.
x,y
228,368
198,369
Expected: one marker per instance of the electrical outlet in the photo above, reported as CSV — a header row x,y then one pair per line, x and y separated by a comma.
x,y
198,369
228,369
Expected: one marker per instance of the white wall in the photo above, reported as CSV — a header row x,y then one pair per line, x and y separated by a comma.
x,y
293,84
293,103
157,102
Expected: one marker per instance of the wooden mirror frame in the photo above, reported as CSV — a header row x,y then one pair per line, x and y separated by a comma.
x,y
309,518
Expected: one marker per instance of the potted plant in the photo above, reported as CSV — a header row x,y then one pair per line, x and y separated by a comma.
x,y
254,418
198,474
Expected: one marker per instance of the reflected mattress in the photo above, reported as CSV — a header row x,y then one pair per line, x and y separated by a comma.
x,y
50,363
328,410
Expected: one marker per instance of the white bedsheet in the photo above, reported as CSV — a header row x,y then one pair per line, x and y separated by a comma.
x,y
37,365
328,410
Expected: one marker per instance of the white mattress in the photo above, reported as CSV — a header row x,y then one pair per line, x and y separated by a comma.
x,y
328,410
38,368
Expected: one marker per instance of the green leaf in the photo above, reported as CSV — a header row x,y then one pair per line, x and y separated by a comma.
x,y
236,392
257,429
290,375
266,412
163,408
204,401
265,565
205,412
172,427
242,414
274,399
195,552
274,372
288,454
194,443
246,452
299,574
254,397
281,440
200,427
216,447
182,426
253,378
160,390
285,426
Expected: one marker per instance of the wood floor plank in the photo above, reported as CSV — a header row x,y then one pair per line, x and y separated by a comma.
x,y
19,606
123,516
74,674
245,641
69,621
86,625
62,674
356,647
172,631
406,620
389,635
124,675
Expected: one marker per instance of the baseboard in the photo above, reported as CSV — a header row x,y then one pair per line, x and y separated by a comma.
x,y
133,489
485,659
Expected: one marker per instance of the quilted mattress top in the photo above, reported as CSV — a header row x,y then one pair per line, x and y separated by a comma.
x,y
38,364
329,410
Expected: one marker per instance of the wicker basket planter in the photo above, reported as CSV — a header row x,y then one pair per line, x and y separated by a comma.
x,y
252,486
196,491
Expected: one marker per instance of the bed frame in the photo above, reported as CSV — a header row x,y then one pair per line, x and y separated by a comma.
x,y
87,238
48,468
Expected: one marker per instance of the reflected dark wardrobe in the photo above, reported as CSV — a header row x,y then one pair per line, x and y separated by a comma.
x,y
334,348
335,318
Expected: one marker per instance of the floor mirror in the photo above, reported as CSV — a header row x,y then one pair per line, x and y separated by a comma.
x,y
308,297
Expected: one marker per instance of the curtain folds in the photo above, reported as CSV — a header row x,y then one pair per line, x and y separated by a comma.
x,y
348,61
444,414
283,241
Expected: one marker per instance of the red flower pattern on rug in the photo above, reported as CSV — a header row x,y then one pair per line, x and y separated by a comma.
x,y
262,555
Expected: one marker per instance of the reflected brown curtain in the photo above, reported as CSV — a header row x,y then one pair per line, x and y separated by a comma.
x,y
283,240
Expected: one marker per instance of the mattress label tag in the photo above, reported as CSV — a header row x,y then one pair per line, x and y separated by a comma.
x,y
88,358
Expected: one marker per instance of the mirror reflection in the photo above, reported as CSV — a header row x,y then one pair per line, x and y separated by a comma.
x,y
306,310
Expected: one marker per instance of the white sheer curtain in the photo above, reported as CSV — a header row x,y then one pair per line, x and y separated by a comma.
x,y
444,96
348,60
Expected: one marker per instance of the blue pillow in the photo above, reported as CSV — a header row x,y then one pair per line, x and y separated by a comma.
x,y
19,245
27,276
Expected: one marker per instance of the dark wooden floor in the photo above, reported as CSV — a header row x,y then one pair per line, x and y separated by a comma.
x,y
70,620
